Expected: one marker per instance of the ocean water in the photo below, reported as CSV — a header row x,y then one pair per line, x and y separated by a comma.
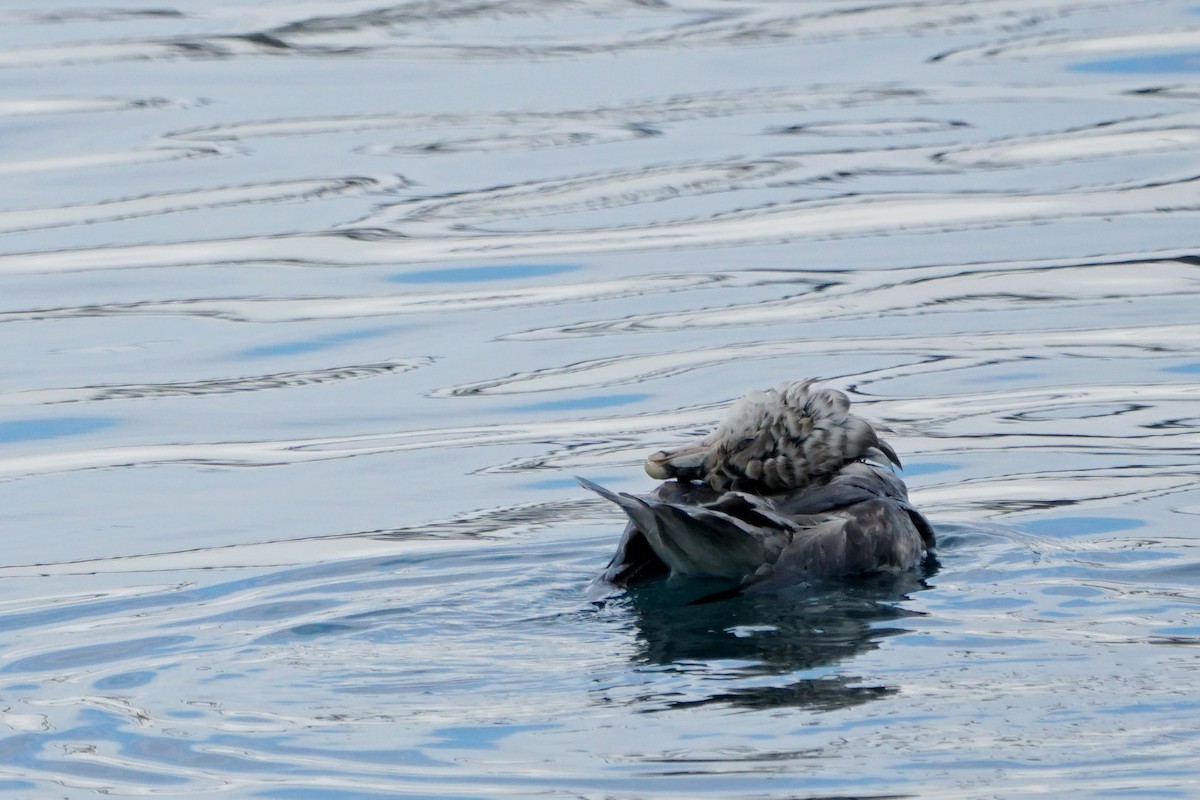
x,y
309,312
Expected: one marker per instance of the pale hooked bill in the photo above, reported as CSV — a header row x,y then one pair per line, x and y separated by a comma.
x,y
790,487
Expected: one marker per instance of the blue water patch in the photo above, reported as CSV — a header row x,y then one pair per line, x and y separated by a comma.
x,y
311,345
307,630
565,483
341,793
993,603
1081,526
278,609
480,737
1072,590
124,680
1008,376
28,430
497,272
1189,369
1179,631
927,468
36,753
584,403
91,655
1158,63
184,714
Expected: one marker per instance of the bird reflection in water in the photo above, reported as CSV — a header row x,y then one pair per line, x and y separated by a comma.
x,y
763,650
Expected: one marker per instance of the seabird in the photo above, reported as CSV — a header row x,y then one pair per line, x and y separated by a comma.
x,y
783,491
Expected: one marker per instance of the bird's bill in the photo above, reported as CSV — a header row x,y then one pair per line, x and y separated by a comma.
x,y
686,463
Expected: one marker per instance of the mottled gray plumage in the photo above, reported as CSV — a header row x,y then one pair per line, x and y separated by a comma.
x,y
779,493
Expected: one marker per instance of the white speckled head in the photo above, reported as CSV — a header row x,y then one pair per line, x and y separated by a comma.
x,y
776,440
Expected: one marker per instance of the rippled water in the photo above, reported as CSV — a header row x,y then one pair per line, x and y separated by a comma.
x,y
311,311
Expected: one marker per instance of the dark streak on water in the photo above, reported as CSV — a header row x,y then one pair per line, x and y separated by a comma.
x,y
340,296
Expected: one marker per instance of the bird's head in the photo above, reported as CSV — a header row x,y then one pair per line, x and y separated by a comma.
x,y
775,441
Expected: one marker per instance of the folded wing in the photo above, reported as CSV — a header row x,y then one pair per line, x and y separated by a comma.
x,y
860,521
728,538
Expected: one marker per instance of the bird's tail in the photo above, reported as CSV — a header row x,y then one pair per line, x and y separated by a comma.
x,y
694,539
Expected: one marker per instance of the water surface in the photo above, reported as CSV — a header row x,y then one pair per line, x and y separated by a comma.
x,y
310,311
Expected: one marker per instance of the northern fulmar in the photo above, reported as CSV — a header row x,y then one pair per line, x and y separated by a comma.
x,y
783,491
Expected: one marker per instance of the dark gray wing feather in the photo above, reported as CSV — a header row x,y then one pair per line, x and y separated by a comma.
x,y
854,483
635,560
709,540
871,536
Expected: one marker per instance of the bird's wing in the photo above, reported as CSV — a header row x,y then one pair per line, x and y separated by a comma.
x,y
923,526
729,538
856,482
635,560
872,536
